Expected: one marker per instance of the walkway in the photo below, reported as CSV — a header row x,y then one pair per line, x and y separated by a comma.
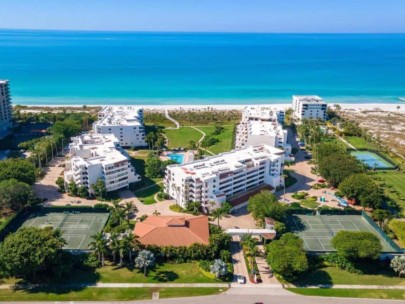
x,y
264,268
201,139
347,143
172,120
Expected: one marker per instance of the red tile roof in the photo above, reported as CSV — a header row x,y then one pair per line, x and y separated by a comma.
x,y
173,230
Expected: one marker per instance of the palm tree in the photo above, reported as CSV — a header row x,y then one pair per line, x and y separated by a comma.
x,y
217,214
129,210
117,211
99,245
131,244
250,249
114,244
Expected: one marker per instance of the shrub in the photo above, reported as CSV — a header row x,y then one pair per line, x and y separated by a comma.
x,y
205,265
340,262
300,195
176,208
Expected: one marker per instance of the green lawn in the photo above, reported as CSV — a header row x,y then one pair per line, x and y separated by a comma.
x,y
103,294
398,227
225,138
138,159
333,275
173,273
358,142
394,186
147,196
182,137
309,203
351,293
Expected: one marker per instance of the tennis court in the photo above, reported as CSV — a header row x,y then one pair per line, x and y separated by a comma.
x,y
317,230
77,227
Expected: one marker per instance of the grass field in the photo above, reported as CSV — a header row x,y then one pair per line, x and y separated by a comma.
x,y
225,138
351,293
359,143
147,196
138,159
182,137
395,186
333,275
398,227
173,273
103,294
309,203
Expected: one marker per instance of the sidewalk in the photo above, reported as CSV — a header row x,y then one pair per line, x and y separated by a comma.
x,y
326,286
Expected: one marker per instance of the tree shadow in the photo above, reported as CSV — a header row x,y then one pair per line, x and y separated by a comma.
x,y
78,280
165,276
316,277
294,224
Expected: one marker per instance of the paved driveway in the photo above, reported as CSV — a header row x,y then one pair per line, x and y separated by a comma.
x,y
239,265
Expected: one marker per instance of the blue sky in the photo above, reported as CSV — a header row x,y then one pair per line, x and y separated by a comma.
x,y
344,16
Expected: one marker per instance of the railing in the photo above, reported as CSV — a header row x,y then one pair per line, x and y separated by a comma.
x,y
381,233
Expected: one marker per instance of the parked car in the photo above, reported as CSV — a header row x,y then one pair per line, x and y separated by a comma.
x,y
241,279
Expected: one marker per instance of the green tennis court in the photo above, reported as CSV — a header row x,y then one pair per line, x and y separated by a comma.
x,y
77,228
317,230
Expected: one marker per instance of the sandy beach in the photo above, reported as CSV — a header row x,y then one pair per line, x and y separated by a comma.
x,y
388,107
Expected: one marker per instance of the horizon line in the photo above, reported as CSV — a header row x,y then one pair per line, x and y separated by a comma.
x,y
200,32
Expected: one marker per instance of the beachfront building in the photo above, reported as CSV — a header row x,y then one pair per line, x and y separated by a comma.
x,y
309,107
99,156
125,122
226,176
262,125
6,111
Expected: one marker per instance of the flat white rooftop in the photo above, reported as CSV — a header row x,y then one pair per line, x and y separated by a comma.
x,y
121,116
261,112
228,161
267,128
102,148
309,98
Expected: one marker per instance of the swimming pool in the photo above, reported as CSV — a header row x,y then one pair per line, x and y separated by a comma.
x,y
372,160
177,157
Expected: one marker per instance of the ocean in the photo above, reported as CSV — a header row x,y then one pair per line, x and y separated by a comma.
x,y
77,68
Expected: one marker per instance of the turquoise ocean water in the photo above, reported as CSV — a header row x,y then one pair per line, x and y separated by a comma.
x,y
62,67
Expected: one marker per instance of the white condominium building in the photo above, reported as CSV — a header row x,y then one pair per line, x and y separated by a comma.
x,y
126,123
6,111
262,125
309,107
99,156
215,179
263,113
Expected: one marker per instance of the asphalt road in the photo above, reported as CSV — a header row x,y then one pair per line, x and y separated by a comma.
x,y
251,299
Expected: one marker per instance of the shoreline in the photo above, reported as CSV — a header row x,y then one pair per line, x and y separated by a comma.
x,y
388,107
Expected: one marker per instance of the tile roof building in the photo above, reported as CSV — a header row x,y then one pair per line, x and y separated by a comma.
x,y
173,230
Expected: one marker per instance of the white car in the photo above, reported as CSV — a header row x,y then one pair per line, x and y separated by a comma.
x,y
241,279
